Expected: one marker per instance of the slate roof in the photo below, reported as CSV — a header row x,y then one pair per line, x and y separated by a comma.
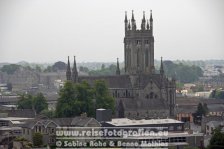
x,y
194,101
131,104
63,121
119,81
28,113
216,107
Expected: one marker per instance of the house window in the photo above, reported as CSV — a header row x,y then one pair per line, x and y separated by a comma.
x,y
179,127
52,130
51,140
3,123
171,128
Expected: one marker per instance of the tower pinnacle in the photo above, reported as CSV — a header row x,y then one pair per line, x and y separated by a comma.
x,y
161,67
68,72
74,72
118,68
143,21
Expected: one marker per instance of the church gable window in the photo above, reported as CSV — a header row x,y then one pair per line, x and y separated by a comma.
x,y
147,96
151,95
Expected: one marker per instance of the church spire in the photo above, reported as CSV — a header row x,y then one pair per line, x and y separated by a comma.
x,y
118,68
68,72
151,22
143,21
129,25
74,72
126,21
133,21
161,67
147,26
126,18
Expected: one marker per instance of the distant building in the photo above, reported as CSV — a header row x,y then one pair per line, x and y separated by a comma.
x,y
176,137
140,92
212,125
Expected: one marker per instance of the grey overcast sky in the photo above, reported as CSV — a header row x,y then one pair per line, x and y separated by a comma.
x,y
93,30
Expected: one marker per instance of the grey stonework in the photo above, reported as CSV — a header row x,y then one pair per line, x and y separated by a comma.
x,y
140,92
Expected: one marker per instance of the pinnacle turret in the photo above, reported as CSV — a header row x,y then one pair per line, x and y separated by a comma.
x,y
118,72
68,72
74,72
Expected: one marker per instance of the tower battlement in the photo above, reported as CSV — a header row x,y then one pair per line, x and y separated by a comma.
x,y
139,46
146,24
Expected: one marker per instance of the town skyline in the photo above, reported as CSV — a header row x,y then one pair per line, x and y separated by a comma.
x,y
50,31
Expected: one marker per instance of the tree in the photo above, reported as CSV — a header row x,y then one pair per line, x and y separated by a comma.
x,y
103,98
9,86
217,140
59,66
10,69
217,94
25,101
40,103
182,72
38,68
85,97
67,106
75,99
37,139
84,69
202,110
37,103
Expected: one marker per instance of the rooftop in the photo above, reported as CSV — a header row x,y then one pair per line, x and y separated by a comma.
x,y
126,121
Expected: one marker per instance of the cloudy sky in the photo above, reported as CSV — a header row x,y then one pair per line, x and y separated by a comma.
x,y
93,30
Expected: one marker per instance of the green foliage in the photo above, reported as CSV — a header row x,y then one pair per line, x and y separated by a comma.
x,y
84,69
25,101
38,68
217,140
37,139
179,85
198,88
103,98
48,113
10,69
67,100
217,94
40,102
85,97
111,70
59,66
181,72
76,99
202,110
48,69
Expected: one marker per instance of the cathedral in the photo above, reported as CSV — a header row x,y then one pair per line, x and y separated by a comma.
x,y
140,93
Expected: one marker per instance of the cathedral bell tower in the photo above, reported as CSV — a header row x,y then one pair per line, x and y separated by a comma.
x,y
139,46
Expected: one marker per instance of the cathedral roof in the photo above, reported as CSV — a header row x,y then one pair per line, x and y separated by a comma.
x,y
117,81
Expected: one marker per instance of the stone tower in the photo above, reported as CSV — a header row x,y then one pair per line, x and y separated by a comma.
x,y
139,46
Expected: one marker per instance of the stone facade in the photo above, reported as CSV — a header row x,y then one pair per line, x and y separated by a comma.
x,y
140,92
